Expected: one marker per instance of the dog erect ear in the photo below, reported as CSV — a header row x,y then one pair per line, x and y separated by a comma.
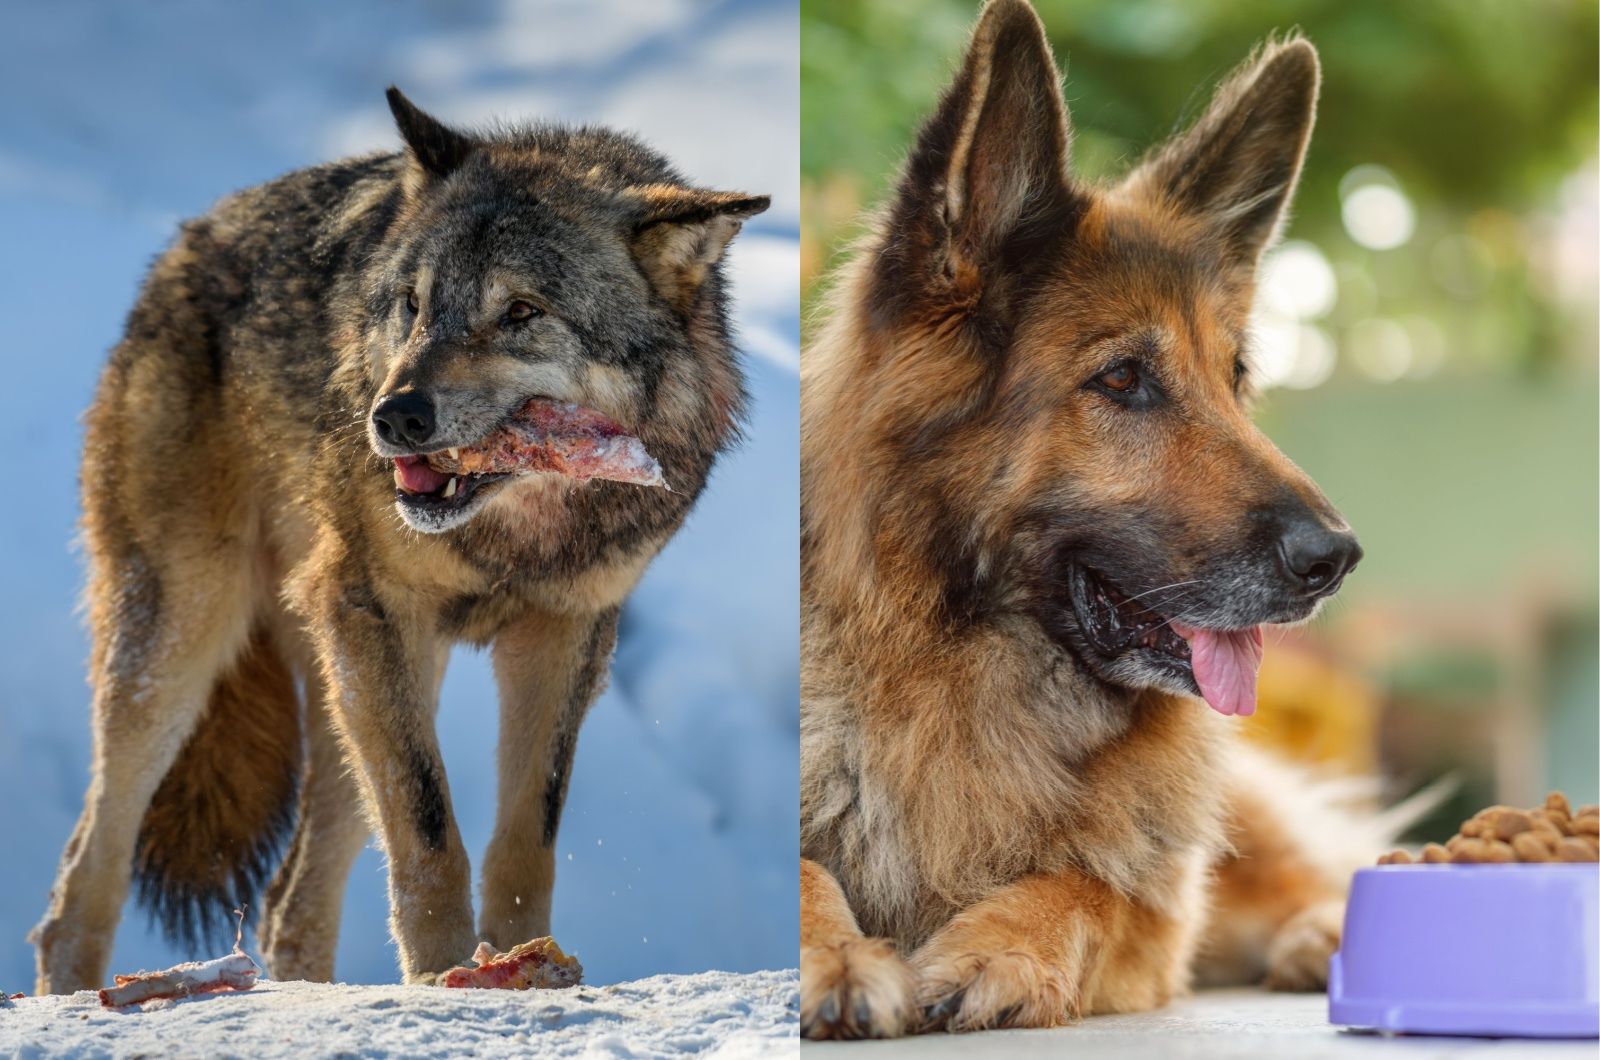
x,y
1237,166
435,149
679,233
991,164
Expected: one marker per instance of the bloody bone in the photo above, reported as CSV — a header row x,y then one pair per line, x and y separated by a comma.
x,y
236,971
558,437
538,964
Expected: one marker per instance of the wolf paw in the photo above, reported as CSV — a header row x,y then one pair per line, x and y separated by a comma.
x,y
968,991
1297,957
859,988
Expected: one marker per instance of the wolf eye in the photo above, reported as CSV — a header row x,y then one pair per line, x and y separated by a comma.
x,y
411,300
1119,378
519,311
1238,372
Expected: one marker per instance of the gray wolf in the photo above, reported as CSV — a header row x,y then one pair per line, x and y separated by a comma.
x,y
261,517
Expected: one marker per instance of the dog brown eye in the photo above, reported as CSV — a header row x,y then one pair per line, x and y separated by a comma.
x,y
1121,379
519,311
411,301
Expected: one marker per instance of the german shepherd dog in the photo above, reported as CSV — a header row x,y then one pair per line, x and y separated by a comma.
x,y
259,520
1037,518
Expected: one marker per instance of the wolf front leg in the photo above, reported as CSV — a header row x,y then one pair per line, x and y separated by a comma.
x,y
383,669
851,986
550,668
1047,949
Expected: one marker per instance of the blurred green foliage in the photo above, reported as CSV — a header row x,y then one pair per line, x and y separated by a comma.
x,y
1467,101
1480,108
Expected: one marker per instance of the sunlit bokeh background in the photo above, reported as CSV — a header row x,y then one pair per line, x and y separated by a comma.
x,y
1426,331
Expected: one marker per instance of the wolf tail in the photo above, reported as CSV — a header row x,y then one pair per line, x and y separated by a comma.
x,y
214,830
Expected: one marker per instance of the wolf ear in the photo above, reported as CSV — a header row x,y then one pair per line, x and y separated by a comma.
x,y
435,149
1237,166
992,161
679,233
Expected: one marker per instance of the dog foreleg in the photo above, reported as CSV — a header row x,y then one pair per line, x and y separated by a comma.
x,y
550,667
851,986
1047,949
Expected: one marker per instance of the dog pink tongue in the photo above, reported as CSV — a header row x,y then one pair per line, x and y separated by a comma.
x,y
1225,664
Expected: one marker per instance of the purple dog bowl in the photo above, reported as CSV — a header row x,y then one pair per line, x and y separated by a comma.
x,y
1492,950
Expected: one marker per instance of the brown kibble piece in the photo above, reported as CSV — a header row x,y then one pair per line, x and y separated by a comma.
x,y
1400,857
1434,854
1474,828
1497,851
1510,823
1558,802
1529,847
1576,850
1586,826
1591,810
1554,819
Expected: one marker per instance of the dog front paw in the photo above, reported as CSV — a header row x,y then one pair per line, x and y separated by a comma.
x,y
1297,957
859,988
964,988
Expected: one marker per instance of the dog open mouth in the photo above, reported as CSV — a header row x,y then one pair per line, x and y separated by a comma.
x,y
544,436
1220,665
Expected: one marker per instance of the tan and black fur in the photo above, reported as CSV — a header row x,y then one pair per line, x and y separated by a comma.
x,y
1023,382
245,535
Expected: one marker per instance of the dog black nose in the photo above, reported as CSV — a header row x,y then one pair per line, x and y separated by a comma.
x,y
1316,557
405,419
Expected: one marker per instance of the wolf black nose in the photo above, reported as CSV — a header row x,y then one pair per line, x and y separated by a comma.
x,y
405,419
1315,556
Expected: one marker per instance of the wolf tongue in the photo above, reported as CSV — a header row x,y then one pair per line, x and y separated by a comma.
x,y
1225,663
416,476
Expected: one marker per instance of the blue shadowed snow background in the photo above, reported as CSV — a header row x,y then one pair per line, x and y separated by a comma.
x,y
677,852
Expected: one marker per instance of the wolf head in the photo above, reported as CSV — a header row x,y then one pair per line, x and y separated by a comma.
x,y
1051,380
570,264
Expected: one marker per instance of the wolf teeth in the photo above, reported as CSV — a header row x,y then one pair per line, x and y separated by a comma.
x,y
455,454
450,488
399,479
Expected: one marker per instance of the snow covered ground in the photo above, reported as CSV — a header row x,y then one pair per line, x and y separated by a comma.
x,y
677,853
718,1014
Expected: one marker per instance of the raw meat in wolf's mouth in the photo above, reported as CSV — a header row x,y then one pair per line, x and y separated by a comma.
x,y
558,437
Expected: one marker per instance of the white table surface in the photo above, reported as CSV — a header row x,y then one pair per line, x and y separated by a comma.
x,y
1220,1023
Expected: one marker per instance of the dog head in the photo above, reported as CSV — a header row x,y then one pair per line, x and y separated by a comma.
x,y
567,264
1058,376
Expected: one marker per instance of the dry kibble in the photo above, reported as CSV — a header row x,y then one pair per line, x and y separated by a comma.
x,y
1510,823
1495,850
1529,847
1504,834
1573,849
